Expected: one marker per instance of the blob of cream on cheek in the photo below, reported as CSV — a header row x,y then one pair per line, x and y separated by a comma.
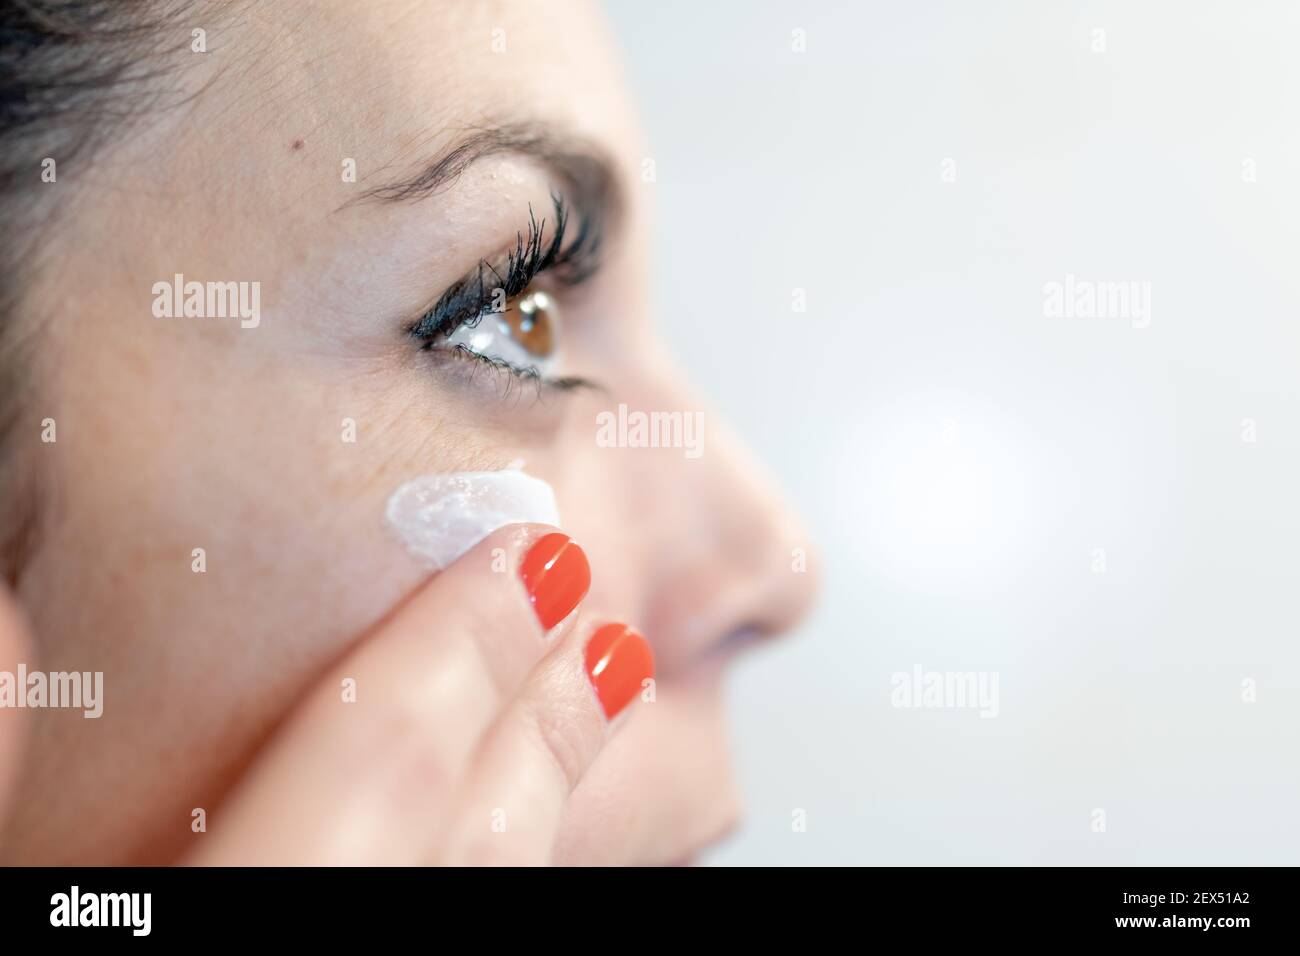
x,y
440,517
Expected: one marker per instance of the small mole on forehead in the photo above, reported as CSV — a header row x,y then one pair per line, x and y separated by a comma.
x,y
297,144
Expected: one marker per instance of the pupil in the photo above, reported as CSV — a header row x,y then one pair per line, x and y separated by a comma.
x,y
531,324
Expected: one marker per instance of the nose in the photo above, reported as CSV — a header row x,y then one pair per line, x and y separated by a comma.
x,y
725,561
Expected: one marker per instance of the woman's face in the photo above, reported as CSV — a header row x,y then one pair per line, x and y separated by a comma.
x,y
274,447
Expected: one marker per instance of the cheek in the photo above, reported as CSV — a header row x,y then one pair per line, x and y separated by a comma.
x,y
622,502
211,563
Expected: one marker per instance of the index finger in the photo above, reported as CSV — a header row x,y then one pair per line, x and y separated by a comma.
x,y
363,778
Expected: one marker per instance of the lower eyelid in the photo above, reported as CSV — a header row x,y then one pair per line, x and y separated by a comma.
x,y
468,370
459,356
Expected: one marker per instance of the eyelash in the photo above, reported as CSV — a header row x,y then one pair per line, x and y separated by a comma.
x,y
465,303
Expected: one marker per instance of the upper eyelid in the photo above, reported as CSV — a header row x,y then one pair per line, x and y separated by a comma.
x,y
572,261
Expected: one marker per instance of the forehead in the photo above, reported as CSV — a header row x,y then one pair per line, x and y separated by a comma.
x,y
385,80
246,175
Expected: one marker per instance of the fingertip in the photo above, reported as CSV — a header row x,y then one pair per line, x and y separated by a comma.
x,y
552,568
619,662
556,575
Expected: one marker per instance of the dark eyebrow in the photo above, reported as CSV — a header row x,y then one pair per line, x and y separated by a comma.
x,y
584,169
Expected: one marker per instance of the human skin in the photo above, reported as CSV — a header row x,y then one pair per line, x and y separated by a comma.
x,y
184,433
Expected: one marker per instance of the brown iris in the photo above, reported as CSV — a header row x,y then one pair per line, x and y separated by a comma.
x,y
532,320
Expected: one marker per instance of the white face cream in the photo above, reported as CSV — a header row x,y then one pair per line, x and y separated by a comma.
x,y
440,517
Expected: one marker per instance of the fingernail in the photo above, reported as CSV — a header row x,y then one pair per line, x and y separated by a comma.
x,y
618,660
556,575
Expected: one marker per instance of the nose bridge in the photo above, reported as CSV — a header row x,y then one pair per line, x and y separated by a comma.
x,y
733,558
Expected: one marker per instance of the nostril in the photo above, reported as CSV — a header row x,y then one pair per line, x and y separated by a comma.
x,y
737,641
708,611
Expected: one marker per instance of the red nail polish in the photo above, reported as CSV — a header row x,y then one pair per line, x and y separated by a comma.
x,y
618,660
556,575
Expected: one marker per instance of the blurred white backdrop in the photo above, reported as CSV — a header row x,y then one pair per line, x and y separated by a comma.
x,y
1074,504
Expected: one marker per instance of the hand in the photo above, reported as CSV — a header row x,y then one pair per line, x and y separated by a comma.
x,y
452,733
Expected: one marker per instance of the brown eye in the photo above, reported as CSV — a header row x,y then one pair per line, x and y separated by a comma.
x,y
524,336
532,320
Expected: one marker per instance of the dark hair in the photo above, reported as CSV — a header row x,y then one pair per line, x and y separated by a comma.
x,y
72,72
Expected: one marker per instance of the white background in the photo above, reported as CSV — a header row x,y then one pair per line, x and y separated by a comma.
x,y
957,454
